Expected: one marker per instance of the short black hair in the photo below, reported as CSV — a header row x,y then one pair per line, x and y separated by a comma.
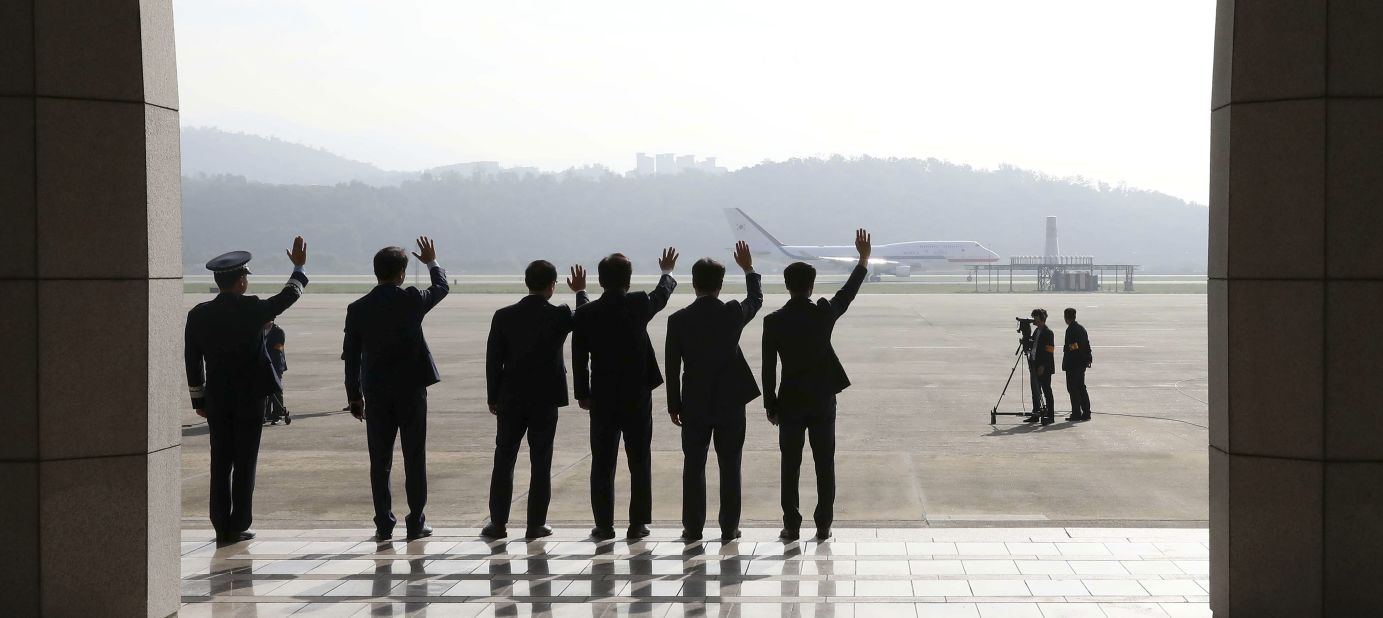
x,y
707,275
228,279
799,277
389,262
539,275
615,270
1040,313
1070,313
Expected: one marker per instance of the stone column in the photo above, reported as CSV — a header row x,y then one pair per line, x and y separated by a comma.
x,y
1296,342
90,308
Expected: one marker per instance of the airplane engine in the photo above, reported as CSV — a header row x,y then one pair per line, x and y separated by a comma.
x,y
902,270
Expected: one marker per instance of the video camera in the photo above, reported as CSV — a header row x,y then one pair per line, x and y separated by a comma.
x,y
1025,328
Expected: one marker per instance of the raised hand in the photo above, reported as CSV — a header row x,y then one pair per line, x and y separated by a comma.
x,y
743,257
298,254
862,245
428,248
577,280
669,259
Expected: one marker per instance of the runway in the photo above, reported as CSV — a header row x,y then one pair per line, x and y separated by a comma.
x,y
914,445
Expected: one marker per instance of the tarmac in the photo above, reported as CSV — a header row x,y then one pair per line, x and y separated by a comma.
x,y
914,442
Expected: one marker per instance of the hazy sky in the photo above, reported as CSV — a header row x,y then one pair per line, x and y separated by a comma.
x,y
1113,90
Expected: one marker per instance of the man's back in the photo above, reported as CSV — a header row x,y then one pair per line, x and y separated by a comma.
x,y
703,343
384,345
523,357
1076,352
227,333
800,334
613,356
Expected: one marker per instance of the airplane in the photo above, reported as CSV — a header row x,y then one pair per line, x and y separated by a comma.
x,y
897,259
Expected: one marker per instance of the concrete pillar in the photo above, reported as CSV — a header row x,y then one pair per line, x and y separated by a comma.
x,y
90,308
1296,265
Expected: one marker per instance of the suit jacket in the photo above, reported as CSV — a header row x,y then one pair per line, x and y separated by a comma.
x,y
225,351
1076,353
612,355
523,357
800,333
384,347
1043,350
706,337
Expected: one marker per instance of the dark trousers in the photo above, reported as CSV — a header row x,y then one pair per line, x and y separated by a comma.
x,y
795,429
1080,397
727,432
635,424
235,432
404,415
540,424
1042,391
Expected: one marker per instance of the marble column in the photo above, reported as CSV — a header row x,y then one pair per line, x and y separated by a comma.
x,y
1296,341
90,308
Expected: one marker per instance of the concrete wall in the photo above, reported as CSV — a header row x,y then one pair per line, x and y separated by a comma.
x,y
1296,266
90,308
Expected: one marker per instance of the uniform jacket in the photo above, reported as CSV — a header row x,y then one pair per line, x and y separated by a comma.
x,y
800,333
225,351
523,357
1076,353
384,347
1043,350
706,370
612,357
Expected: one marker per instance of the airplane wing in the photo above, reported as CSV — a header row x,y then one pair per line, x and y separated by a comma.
x,y
850,260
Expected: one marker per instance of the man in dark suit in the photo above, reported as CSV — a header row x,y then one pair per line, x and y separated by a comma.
x,y
1041,366
707,401
229,375
1076,357
526,382
388,370
804,407
616,372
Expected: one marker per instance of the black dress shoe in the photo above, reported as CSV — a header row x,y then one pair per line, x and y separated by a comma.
x,y
384,535
600,533
690,537
822,535
789,534
537,532
235,537
1085,417
420,533
494,531
1073,418
729,536
637,531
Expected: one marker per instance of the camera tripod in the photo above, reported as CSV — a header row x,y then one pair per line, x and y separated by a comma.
x,y
1018,356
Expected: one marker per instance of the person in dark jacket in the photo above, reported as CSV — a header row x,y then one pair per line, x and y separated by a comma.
x,y
388,370
708,400
1076,357
804,407
615,374
1041,365
275,339
526,382
229,376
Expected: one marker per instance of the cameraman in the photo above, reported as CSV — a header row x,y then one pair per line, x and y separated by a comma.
x,y
1041,364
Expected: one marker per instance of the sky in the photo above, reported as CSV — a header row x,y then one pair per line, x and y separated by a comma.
x,y
1111,90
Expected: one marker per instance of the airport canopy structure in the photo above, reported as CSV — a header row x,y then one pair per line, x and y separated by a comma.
x,y
1067,273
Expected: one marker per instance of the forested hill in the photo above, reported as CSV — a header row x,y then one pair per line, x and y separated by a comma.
x,y
496,224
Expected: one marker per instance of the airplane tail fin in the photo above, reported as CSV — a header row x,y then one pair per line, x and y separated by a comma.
x,y
761,243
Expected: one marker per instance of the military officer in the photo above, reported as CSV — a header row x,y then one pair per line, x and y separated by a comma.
x,y
229,375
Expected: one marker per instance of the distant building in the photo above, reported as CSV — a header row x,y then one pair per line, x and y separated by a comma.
x,y
667,164
643,164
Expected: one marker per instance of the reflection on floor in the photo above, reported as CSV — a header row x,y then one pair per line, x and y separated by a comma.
x,y
863,573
